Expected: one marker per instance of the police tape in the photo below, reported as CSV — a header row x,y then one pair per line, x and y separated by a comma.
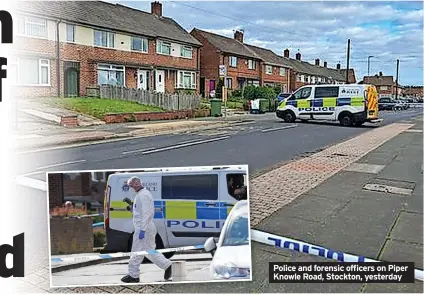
x,y
127,254
303,247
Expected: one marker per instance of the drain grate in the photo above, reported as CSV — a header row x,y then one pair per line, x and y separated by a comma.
x,y
387,189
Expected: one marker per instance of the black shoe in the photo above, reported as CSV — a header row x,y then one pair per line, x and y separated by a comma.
x,y
168,273
130,279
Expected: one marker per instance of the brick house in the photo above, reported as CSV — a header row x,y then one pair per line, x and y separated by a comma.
x,y
243,65
385,84
65,46
416,92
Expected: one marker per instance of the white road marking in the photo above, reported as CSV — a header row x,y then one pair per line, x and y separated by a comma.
x,y
414,130
138,151
60,164
31,183
278,128
173,147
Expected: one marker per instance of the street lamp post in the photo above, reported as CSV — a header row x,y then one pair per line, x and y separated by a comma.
x,y
369,57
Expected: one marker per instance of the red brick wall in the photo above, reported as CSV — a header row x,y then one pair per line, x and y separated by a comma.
x,y
275,77
71,236
209,58
55,184
390,90
241,70
89,56
79,186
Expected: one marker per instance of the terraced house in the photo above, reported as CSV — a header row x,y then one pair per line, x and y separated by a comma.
x,y
63,47
251,65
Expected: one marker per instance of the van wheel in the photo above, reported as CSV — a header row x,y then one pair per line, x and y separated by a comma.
x,y
346,119
289,117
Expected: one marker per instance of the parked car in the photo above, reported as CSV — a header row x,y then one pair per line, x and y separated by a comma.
x,y
231,255
389,104
403,104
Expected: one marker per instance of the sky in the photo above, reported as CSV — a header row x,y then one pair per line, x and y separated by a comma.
x,y
317,29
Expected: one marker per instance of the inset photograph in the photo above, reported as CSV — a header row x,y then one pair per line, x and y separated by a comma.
x,y
144,226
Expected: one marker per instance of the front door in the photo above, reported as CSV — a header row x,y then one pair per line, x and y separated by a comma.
x,y
142,80
160,81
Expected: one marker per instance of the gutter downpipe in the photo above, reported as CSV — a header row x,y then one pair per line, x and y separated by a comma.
x,y
58,57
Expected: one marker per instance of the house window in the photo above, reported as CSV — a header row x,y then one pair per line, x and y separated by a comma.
x,y
111,75
268,70
104,39
383,88
282,71
233,61
298,78
313,79
98,176
186,51
33,27
252,64
163,48
229,83
186,80
70,33
302,78
139,44
307,79
319,79
32,71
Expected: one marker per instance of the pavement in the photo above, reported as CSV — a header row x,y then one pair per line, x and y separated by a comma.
x,y
307,182
110,273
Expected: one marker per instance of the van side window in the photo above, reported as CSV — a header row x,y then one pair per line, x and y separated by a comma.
x,y
322,92
236,184
190,187
303,93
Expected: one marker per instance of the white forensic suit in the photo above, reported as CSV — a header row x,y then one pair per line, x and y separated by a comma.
x,y
143,214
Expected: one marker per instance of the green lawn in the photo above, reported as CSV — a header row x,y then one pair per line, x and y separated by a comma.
x,y
98,107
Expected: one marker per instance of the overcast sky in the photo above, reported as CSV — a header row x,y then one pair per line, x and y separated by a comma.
x,y
320,29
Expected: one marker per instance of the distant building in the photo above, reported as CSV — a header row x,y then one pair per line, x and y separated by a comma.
x,y
385,85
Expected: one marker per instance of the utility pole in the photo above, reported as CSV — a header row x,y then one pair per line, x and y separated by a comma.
x,y
369,57
397,78
347,63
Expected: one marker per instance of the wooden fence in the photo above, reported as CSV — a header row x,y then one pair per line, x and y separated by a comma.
x,y
170,102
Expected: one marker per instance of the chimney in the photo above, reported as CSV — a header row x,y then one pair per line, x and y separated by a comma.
x,y
156,8
381,74
325,64
338,66
287,53
298,56
317,62
238,35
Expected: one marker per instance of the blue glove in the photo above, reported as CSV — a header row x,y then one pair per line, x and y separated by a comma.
x,y
141,235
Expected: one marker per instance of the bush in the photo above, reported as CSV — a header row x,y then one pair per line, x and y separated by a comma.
x,y
235,94
97,219
252,92
99,239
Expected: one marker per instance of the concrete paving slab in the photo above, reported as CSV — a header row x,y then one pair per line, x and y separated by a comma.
x,y
365,168
379,158
414,204
416,287
395,250
310,207
402,170
408,228
290,227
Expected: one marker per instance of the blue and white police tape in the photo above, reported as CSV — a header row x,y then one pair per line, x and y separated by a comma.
x,y
128,254
98,224
299,246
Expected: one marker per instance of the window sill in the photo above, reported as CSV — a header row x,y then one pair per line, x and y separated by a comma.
x,y
35,37
103,47
163,54
139,51
186,57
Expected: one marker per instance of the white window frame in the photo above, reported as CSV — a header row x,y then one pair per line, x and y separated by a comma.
x,y
40,66
251,64
111,67
186,49
384,88
160,44
268,69
232,61
95,179
144,41
282,71
108,39
30,20
319,79
73,33
227,85
302,78
179,83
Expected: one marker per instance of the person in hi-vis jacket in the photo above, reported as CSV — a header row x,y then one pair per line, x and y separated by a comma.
x,y
144,233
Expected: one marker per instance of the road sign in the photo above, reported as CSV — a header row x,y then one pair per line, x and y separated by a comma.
x,y
222,71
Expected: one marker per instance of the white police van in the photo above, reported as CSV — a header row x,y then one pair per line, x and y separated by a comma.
x,y
351,104
191,205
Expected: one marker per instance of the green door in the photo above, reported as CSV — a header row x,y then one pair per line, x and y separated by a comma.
x,y
71,82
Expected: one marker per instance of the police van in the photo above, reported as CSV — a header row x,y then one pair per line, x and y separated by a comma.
x,y
191,204
351,104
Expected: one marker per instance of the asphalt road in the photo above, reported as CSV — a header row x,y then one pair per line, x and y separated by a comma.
x,y
260,144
